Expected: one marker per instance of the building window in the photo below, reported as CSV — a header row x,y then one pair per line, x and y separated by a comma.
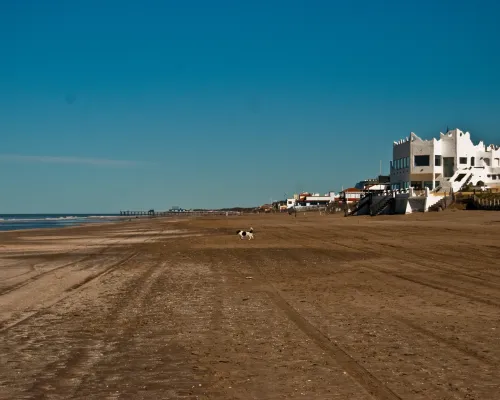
x,y
494,177
486,161
437,161
472,161
463,160
421,161
497,162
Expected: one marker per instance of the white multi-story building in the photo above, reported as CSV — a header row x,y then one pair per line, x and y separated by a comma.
x,y
449,162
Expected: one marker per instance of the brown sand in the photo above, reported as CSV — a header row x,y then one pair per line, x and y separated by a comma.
x,y
316,307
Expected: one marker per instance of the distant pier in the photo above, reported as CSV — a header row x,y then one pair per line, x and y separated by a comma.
x,y
153,213
136,213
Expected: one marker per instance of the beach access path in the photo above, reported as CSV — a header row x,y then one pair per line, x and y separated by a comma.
x,y
316,307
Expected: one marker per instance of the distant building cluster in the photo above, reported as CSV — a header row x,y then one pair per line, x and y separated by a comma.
x,y
418,168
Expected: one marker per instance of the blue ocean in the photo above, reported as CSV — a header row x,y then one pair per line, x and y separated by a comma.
x,y
12,222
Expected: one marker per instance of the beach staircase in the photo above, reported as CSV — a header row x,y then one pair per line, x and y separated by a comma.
x,y
459,179
364,202
383,205
442,204
467,180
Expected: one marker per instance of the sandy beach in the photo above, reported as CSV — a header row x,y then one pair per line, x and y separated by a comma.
x,y
316,307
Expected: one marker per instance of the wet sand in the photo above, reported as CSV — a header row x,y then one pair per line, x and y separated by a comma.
x,y
316,307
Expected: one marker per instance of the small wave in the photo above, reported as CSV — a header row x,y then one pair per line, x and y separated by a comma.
x,y
61,218
39,221
104,216
20,220
55,219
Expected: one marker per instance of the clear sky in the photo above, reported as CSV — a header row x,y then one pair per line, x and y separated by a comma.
x,y
109,105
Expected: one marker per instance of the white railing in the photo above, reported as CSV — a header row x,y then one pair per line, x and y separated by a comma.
x,y
410,191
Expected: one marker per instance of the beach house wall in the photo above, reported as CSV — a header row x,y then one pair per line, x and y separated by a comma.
x,y
400,164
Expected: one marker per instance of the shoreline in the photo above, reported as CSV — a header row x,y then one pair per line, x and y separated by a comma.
x,y
96,221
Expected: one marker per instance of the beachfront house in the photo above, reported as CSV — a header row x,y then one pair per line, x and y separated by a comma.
x,y
306,199
382,182
450,162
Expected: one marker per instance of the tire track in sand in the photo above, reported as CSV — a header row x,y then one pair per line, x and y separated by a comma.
x,y
36,277
470,294
71,375
68,292
361,375
467,349
6,325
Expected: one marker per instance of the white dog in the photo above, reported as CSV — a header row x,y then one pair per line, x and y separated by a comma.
x,y
244,234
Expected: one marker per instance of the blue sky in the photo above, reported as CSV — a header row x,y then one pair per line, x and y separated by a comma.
x,y
109,105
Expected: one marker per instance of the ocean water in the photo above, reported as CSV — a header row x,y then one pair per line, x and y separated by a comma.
x,y
12,222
